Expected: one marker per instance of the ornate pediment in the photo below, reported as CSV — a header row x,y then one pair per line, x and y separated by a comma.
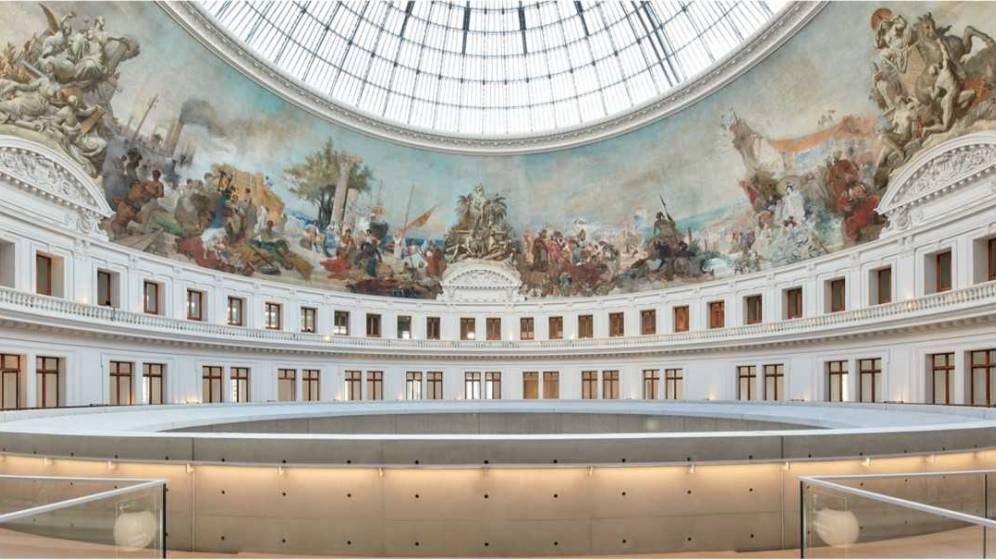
x,y
936,171
43,172
480,281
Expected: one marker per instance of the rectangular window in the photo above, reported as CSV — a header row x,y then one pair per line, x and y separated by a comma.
x,y
48,379
651,384
375,385
681,318
992,258
154,379
236,311
836,380
373,325
837,298
530,385
942,269
746,375
467,328
286,384
43,274
472,385
648,322
309,320
404,327
717,314
774,382
340,320
433,330
434,386
240,384
941,378
674,384
10,381
354,386
150,300
617,324
274,318
883,283
610,384
983,377
793,303
753,312
492,385
212,379
870,380
589,385
493,328
586,326
413,385
551,385
526,329
195,305
121,382
105,288
556,328
311,384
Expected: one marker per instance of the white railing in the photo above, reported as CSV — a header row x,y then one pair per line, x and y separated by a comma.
x,y
971,299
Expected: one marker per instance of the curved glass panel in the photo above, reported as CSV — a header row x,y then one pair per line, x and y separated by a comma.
x,y
492,68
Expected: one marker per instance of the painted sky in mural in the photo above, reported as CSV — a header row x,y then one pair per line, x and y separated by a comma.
x,y
203,165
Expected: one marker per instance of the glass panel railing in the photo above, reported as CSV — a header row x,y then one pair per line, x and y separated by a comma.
x,y
921,515
55,517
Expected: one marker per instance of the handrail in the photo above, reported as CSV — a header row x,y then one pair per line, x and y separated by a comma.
x,y
45,508
976,294
909,504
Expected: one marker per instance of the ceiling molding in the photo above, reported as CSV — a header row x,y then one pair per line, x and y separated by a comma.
x,y
776,32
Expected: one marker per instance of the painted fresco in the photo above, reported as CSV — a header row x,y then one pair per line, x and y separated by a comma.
x,y
205,166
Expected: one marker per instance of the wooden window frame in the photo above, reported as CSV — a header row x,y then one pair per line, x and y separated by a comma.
x,y
674,384
10,365
48,369
682,318
151,306
776,374
947,370
433,328
881,298
473,386
434,385
287,374
589,385
375,385
43,283
836,376
491,390
648,322
311,385
991,257
354,384
468,328
837,301
586,326
373,323
212,374
270,310
748,372
154,373
717,314
987,366
240,381
617,324
119,371
413,386
104,276
651,384
309,319
195,303
527,328
793,298
870,367
754,310
531,378
235,312
551,379
558,332
340,322
610,384
402,332
492,328
939,279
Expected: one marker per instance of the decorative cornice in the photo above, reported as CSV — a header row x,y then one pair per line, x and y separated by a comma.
x,y
43,172
233,51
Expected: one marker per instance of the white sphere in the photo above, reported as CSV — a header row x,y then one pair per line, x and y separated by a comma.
x,y
135,530
836,527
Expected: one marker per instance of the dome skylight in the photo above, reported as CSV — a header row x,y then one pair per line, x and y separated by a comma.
x,y
495,68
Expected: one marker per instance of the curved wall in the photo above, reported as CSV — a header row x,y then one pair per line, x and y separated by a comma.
x,y
786,163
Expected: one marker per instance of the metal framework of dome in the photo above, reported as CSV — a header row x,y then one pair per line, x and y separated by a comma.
x,y
491,69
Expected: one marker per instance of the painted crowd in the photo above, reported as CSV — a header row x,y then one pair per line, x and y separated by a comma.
x,y
326,216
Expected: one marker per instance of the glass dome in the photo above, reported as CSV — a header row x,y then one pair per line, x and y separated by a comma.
x,y
492,69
